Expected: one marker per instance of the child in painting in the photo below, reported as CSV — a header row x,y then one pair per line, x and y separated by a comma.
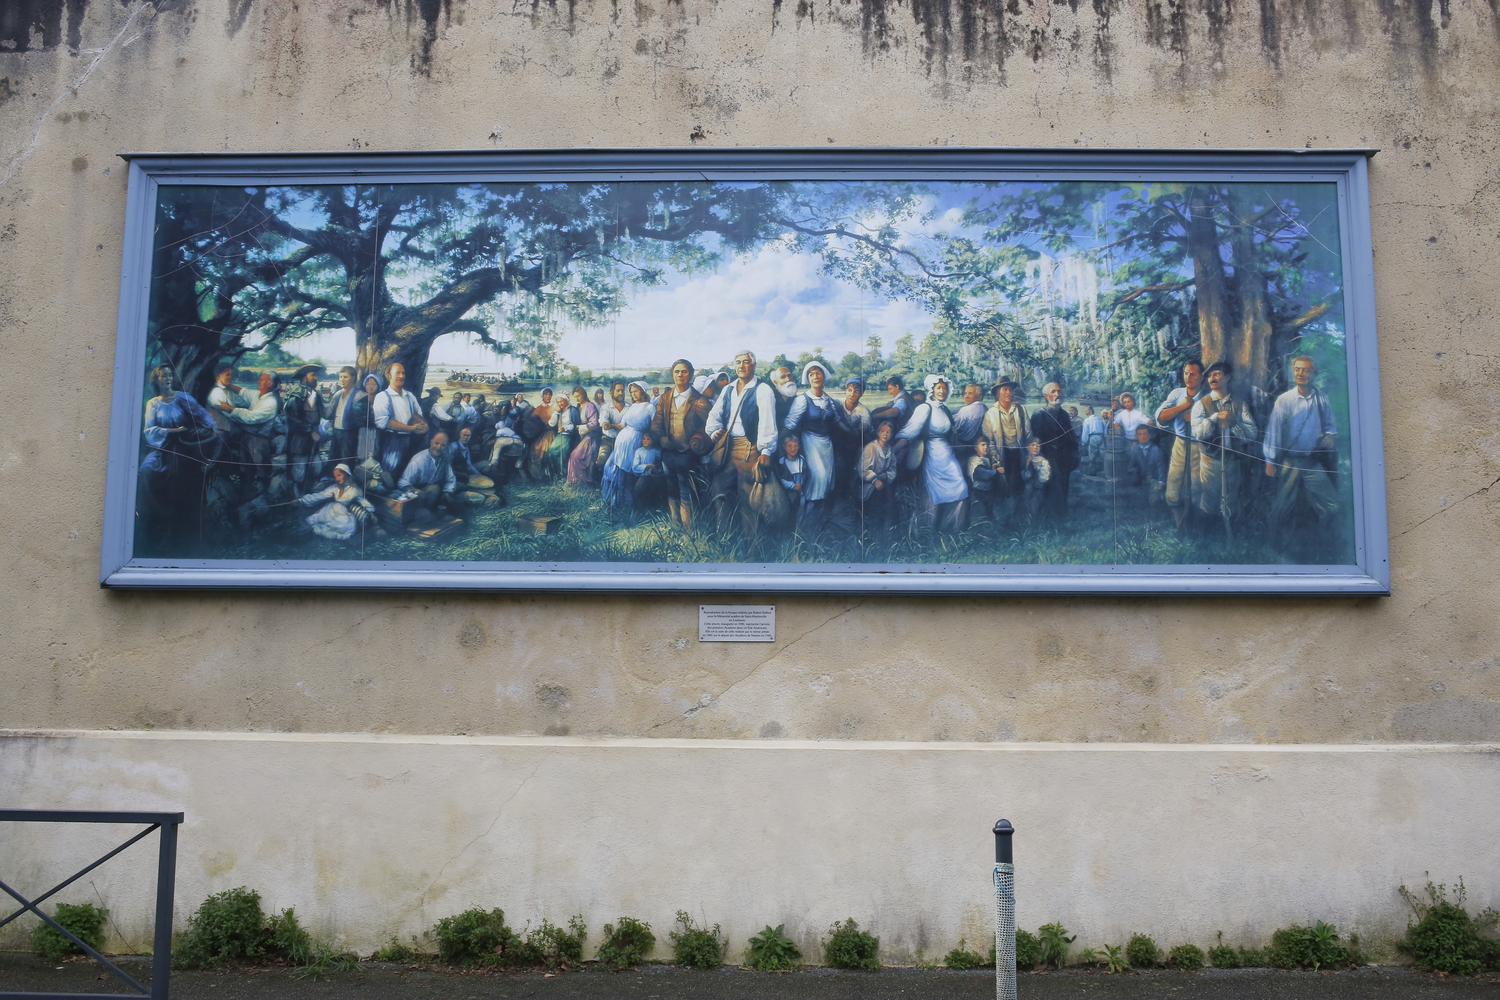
x,y
877,477
984,477
1035,472
1148,469
650,482
791,469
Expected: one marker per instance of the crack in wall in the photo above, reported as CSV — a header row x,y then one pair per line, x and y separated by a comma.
x,y
500,811
36,132
1442,510
715,699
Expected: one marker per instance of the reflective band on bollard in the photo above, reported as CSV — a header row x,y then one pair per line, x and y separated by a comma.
x,y
1005,914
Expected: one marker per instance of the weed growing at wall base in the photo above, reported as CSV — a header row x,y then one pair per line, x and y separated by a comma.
x,y
84,921
772,951
696,947
626,943
1054,940
1446,938
962,958
1142,952
848,947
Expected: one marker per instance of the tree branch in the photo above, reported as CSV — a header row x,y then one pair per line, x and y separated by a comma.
x,y
1171,286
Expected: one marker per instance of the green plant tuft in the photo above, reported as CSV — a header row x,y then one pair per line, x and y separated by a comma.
x,y
286,937
1054,941
395,951
1187,957
473,936
1315,947
1254,958
696,947
555,947
626,944
848,947
772,951
963,958
84,921
228,926
1142,952
1446,938
1114,957
1028,950
1222,955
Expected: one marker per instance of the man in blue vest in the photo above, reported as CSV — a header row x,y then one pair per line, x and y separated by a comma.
x,y
745,413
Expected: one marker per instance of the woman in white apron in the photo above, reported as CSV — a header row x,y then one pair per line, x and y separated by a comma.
x,y
813,416
947,489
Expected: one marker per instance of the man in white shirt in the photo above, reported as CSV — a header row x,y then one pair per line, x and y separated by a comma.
x,y
746,413
1182,469
611,422
398,418
1299,441
430,473
262,423
1128,418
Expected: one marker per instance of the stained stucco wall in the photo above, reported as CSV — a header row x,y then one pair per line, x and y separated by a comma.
x,y
82,81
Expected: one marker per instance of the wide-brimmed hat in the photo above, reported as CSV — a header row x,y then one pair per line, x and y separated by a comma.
x,y
818,365
301,373
1005,383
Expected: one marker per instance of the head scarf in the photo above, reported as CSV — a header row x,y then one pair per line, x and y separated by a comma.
x,y
854,380
932,380
379,383
701,382
645,389
818,365
345,469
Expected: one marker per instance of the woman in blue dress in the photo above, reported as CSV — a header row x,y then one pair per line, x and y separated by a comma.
x,y
932,424
619,482
813,416
183,440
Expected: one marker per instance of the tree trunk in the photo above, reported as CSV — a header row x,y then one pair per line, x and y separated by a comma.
x,y
1208,276
1250,347
413,329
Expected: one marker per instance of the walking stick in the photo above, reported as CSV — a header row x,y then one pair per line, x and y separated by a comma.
x,y
1224,476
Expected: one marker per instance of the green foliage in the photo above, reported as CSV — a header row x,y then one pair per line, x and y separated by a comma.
x,y
83,920
473,936
1299,947
848,947
1028,949
962,958
286,937
394,951
1090,956
228,926
1253,958
1115,959
772,951
1446,938
558,948
696,947
1222,955
626,944
1142,952
1054,941
1187,957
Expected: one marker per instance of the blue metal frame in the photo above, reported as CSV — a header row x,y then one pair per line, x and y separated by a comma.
x,y
166,877
1369,575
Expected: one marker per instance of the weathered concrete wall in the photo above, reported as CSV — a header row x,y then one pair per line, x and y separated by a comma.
x,y
83,80
1185,841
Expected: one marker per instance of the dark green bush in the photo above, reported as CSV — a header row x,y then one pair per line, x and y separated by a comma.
x,y
1054,942
1028,950
473,936
1299,947
1446,938
287,938
1224,957
227,927
394,951
1142,952
696,947
84,921
1253,958
963,958
626,944
555,947
772,951
848,947
1187,957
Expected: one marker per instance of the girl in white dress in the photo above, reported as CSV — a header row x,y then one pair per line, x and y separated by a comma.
x,y
342,508
947,488
814,415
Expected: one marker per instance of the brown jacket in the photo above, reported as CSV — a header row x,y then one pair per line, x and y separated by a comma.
x,y
694,421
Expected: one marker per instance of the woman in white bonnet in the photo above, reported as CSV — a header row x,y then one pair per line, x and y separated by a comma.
x,y
342,508
814,415
947,489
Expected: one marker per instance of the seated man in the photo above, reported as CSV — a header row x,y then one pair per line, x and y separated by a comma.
x,y
430,474
462,462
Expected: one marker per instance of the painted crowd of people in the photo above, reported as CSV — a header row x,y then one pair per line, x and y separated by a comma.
x,y
761,456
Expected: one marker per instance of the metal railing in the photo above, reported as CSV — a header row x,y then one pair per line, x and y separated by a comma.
x,y
166,876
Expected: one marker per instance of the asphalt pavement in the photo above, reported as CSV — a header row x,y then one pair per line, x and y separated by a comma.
x,y
23,973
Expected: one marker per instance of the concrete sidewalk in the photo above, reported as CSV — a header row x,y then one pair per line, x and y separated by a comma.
x,y
25,973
